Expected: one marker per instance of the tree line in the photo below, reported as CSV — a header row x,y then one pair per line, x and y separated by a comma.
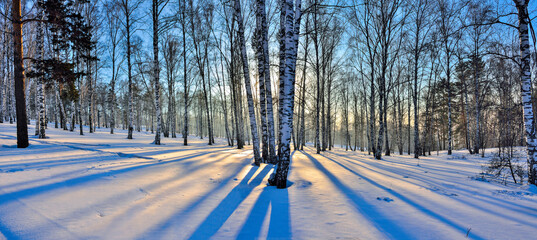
x,y
386,77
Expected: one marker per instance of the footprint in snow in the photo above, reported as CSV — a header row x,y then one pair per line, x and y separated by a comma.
x,y
143,191
301,184
386,199
215,180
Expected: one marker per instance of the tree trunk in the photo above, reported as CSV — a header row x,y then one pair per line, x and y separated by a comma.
x,y
19,79
372,111
90,98
329,110
382,89
466,116
156,70
2,79
318,78
223,99
185,81
415,99
79,114
448,80
302,133
113,97
247,84
477,141
261,58
129,77
291,29
408,113
526,89
268,86
40,81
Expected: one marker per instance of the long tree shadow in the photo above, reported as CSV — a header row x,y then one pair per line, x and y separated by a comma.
x,y
6,232
122,197
427,179
52,162
49,146
280,219
177,219
8,197
391,229
429,212
403,165
229,204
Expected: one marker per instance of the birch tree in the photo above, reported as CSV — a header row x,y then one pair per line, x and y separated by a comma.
x,y
265,88
128,8
479,17
156,9
526,88
170,51
420,29
40,82
114,37
317,77
246,71
290,16
387,22
3,66
200,29
367,44
186,86
448,38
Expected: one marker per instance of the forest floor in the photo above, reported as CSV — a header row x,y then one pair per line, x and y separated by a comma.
x,y
102,186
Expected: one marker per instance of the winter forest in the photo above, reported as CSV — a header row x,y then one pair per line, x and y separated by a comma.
x,y
270,119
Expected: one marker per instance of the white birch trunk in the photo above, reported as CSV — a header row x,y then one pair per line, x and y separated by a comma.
x,y
155,9
477,143
289,42
185,81
130,117
450,125
37,105
62,107
529,123
112,102
261,58
91,109
268,92
246,72
2,82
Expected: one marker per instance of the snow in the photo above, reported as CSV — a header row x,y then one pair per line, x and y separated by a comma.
x,y
102,186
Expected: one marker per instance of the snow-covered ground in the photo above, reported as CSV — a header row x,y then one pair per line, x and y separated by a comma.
x,y
102,186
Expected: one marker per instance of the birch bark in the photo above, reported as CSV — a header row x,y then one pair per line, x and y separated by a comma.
x,y
526,88
246,72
